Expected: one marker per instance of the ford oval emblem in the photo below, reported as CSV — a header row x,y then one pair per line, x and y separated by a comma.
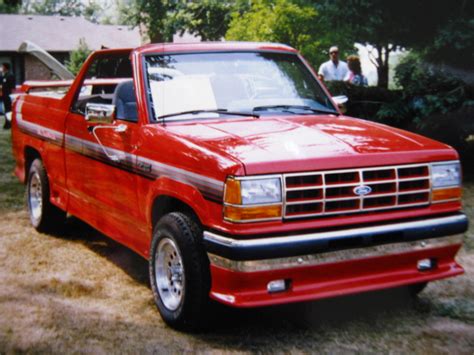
x,y
362,190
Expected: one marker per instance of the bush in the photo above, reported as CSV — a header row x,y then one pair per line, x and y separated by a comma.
x,y
433,103
427,91
364,102
78,57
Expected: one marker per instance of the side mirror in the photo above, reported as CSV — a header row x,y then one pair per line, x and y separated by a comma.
x,y
341,102
100,113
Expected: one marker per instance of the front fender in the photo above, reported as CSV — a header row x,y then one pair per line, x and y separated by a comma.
x,y
186,193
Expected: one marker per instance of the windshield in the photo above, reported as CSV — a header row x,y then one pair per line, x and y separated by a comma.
x,y
188,86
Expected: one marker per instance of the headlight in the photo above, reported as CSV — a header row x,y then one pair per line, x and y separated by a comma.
x,y
446,181
251,199
446,174
260,191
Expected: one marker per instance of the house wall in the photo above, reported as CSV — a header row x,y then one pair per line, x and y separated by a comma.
x,y
35,70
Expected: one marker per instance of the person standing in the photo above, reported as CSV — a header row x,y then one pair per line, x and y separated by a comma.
x,y
355,76
8,85
333,69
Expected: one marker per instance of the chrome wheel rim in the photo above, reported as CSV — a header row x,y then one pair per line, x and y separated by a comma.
x,y
169,274
35,197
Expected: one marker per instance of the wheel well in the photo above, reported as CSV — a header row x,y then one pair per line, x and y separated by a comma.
x,y
167,204
30,155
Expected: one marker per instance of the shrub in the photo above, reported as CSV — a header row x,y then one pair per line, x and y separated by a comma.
x,y
78,57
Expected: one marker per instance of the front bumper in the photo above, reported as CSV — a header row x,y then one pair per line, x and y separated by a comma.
x,y
333,263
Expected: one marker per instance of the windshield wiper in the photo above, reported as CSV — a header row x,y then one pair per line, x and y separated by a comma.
x,y
287,108
219,110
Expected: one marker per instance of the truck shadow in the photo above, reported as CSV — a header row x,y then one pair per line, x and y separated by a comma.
x,y
130,262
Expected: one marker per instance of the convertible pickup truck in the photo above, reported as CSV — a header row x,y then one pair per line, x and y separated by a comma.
x,y
230,168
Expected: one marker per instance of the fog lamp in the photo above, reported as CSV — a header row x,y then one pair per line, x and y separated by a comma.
x,y
277,286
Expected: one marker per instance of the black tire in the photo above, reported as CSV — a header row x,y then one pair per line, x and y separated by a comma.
x,y
188,310
44,216
417,288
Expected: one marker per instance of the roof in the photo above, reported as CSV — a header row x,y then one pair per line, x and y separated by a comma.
x,y
214,46
62,33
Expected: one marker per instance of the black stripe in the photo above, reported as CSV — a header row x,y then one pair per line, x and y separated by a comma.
x,y
138,167
304,247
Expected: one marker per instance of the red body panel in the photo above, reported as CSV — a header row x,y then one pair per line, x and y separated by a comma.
x,y
249,289
190,162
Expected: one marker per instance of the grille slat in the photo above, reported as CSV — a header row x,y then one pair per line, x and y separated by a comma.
x,y
335,192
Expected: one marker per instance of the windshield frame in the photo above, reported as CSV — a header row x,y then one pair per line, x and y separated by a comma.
x,y
149,104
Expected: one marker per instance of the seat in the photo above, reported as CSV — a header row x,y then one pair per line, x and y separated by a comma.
x,y
125,101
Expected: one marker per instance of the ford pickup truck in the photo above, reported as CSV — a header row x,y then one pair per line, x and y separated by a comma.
x,y
230,168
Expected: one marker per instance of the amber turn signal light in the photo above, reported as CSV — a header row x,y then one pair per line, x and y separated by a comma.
x,y
232,193
236,214
452,193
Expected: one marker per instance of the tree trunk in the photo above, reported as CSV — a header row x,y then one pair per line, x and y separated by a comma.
x,y
382,65
157,37
382,72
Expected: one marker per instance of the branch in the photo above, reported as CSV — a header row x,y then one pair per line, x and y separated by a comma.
x,y
372,57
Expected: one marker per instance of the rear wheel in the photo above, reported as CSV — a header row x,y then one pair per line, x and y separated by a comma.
x,y
179,272
44,216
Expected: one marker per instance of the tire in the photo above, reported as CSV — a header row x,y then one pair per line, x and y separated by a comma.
x,y
417,288
179,272
44,216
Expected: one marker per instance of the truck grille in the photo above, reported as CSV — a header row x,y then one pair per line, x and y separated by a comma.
x,y
356,190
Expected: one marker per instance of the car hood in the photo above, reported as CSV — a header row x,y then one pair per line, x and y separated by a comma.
x,y
306,143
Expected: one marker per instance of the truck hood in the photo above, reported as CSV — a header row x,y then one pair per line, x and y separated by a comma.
x,y
306,143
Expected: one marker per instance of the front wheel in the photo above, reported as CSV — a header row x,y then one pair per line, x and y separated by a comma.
x,y
44,216
179,272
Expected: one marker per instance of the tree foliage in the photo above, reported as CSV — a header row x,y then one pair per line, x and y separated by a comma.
x,y
161,19
443,30
9,6
378,23
428,90
209,19
453,44
77,57
296,23
90,10
155,16
53,7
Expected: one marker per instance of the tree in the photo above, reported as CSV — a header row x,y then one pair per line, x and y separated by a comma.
x,y
154,16
209,19
53,7
297,23
370,22
9,6
433,26
91,10
453,43
78,57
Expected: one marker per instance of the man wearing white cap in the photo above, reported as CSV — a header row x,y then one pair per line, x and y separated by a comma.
x,y
333,69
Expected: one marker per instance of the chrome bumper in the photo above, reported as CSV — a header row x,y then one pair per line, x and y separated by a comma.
x,y
331,257
303,249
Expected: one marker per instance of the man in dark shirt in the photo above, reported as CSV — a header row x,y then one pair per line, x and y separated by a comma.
x,y
8,85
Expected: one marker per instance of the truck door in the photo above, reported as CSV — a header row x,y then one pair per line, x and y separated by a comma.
x,y
100,157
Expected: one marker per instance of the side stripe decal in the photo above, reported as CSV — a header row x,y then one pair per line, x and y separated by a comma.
x,y
211,189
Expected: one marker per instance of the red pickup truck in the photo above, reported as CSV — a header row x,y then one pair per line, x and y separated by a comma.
x,y
230,168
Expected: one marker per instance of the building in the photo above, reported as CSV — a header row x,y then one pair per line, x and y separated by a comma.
x,y
58,35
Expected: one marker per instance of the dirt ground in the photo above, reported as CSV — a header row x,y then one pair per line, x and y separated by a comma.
x,y
83,293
